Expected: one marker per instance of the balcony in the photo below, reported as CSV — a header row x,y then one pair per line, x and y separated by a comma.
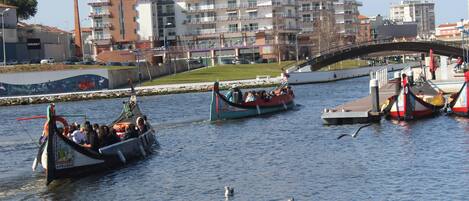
x,y
100,26
100,14
102,37
99,3
200,8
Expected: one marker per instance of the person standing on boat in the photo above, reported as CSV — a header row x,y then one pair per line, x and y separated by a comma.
x,y
234,95
141,126
459,63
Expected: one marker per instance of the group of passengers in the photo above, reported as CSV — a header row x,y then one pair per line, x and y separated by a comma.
x,y
234,95
94,136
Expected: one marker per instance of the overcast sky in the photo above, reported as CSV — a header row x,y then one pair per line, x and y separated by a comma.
x,y
59,13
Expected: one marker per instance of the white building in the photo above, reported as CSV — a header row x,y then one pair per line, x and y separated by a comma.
x,y
421,12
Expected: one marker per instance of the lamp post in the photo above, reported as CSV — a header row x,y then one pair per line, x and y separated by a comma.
x,y
296,38
3,37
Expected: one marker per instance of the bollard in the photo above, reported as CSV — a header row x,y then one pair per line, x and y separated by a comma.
x,y
397,85
374,89
411,78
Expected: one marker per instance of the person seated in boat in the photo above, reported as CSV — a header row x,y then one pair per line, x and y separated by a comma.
x,y
234,95
420,94
264,95
130,132
250,97
95,127
112,137
78,136
141,126
92,141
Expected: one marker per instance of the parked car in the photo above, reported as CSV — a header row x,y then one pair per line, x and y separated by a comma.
x,y
48,61
12,62
68,62
113,64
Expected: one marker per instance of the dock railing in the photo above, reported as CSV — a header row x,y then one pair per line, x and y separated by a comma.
x,y
381,75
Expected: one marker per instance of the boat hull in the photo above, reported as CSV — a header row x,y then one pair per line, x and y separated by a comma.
x,y
72,160
460,104
409,107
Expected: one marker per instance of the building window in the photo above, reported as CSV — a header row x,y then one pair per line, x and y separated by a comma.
x,y
252,3
233,27
232,16
305,7
253,26
232,4
252,15
307,18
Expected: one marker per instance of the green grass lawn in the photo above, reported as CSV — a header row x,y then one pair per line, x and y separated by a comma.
x,y
240,72
222,73
347,64
55,67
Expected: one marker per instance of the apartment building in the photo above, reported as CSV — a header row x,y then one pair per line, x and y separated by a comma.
x,y
219,31
364,30
346,16
421,12
451,31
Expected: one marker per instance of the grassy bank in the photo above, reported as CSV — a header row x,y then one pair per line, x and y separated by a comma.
x,y
347,64
55,67
222,73
241,72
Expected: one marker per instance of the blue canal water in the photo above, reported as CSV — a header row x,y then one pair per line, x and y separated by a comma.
x,y
269,158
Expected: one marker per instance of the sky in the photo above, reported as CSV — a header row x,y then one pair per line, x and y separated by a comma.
x,y
59,13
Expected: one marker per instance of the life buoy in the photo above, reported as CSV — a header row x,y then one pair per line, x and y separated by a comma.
x,y
59,119
120,128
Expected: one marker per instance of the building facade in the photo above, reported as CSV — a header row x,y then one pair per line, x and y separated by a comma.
x,y
346,15
421,12
220,31
364,30
451,32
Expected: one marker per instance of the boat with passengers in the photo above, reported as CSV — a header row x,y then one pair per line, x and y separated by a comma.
x,y
235,105
61,157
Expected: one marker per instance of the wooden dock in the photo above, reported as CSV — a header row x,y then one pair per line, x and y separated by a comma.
x,y
360,111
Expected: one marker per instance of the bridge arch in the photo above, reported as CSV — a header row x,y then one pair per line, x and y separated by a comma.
x,y
350,52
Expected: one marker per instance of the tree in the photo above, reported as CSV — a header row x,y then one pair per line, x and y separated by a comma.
x,y
25,8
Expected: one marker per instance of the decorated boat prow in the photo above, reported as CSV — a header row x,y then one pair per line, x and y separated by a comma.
x,y
222,108
61,157
459,102
408,106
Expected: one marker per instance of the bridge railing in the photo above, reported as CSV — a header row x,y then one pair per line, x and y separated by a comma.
x,y
381,75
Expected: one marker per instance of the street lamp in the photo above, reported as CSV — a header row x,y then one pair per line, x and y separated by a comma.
x,y
297,57
3,37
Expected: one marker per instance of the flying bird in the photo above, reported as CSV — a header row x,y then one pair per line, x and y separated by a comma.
x,y
354,135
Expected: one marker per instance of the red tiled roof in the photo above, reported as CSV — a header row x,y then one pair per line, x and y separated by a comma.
x,y
448,25
362,17
42,27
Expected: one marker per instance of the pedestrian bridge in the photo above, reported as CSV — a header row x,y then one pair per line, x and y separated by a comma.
x,y
350,52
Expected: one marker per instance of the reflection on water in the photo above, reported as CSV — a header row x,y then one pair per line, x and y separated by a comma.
x,y
269,158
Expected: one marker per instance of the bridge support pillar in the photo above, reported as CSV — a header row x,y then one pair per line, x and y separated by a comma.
x,y
374,89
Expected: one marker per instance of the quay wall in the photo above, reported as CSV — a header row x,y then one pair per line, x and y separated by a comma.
x,y
63,81
299,77
141,91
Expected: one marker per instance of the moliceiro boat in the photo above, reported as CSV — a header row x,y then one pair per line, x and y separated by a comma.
x,y
408,106
459,101
221,107
61,157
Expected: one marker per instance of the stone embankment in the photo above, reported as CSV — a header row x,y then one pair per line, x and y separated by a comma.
x,y
141,91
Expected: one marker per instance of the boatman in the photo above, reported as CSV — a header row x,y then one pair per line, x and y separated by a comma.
x,y
234,95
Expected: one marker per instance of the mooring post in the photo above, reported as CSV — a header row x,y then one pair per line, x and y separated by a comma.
x,y
411,77
397,85
374,90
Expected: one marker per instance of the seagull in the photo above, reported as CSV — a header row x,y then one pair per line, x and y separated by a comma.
x,y
229,191
354,135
